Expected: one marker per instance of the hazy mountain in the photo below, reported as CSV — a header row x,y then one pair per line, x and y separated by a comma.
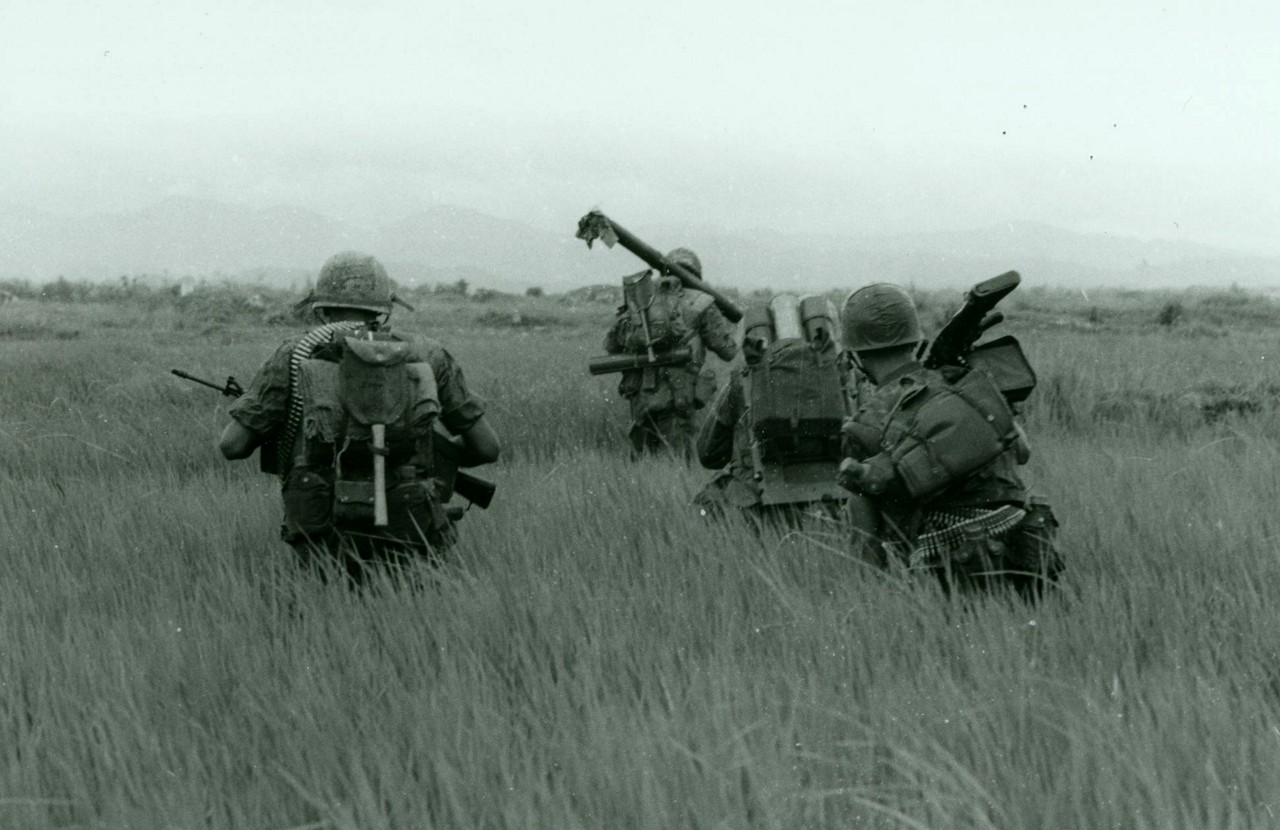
x,y
175,236
180,237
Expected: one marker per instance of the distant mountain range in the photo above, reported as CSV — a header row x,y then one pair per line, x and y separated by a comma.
x,y
182,237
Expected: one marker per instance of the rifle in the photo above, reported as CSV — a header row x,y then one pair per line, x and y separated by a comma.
x,y
595,225
474,489
954,344
231,388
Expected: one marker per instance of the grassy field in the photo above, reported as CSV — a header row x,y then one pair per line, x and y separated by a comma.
x,y
596,655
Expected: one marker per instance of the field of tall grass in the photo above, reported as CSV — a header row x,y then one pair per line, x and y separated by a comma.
x,y
595,654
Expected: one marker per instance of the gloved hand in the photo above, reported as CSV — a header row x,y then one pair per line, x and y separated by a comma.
x,y
870,478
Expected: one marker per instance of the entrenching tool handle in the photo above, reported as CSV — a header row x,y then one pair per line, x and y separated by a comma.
x,y
595,225
379,474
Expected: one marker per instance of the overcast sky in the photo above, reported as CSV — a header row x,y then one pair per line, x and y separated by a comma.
x,y
1156,120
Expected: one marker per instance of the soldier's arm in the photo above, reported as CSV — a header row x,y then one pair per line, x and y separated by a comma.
x,y
238,441
617,334
260,410
462,413
717,333
715,436
480,444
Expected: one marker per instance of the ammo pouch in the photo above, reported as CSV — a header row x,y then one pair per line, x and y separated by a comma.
x,y
416,515
954,430
308,503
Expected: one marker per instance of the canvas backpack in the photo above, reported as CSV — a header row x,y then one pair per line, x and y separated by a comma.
x,y
365,400
656,318
795,401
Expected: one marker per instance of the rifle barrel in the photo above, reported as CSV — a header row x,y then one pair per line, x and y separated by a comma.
x,y
195,379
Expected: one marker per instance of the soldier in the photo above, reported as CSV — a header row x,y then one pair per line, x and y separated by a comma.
x,y
775,426
936,452
351,412
663,398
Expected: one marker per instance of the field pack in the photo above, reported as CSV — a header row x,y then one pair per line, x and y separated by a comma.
x,y
653,308
795,399
368,405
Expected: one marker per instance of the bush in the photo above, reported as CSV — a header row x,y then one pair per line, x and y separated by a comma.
x,y
1169,314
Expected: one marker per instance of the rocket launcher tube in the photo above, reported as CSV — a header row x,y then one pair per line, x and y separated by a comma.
x,y
595,225
624,362
786,317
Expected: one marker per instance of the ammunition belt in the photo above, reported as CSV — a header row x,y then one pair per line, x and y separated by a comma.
x,y
302,351
945,530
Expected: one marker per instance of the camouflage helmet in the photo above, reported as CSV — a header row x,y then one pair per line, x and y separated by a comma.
x,y
351,279
879,316
687,258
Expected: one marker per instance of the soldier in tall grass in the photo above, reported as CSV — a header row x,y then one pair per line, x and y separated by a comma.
x,y
663,398
774,427
346,415
935,452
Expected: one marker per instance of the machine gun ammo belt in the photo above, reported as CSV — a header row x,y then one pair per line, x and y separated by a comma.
x,y
302,351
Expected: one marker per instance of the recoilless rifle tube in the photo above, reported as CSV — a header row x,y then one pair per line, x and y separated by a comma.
x,y
626,362
595,225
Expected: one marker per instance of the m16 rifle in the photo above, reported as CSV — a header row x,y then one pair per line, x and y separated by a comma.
x,y
474,489
595,225
231,388
1002,358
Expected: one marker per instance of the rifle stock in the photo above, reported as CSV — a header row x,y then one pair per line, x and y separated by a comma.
x,y
474,489
595,225
446,449
610,364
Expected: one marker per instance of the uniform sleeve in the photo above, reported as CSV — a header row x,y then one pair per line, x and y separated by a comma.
x,y
616,338
715,436
264,405
717,333
459,409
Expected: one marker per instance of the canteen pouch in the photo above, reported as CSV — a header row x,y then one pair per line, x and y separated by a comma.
x,y
308,503
417,515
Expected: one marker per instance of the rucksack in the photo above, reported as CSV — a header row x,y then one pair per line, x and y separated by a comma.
x,y
654,310
795,402
368,402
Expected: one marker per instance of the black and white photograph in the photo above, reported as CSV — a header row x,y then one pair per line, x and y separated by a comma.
x,y
639,416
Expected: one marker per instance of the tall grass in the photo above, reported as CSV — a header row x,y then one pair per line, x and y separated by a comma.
x,y
596,654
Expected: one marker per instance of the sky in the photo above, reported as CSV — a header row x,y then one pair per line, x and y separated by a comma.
x,y
1146,119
